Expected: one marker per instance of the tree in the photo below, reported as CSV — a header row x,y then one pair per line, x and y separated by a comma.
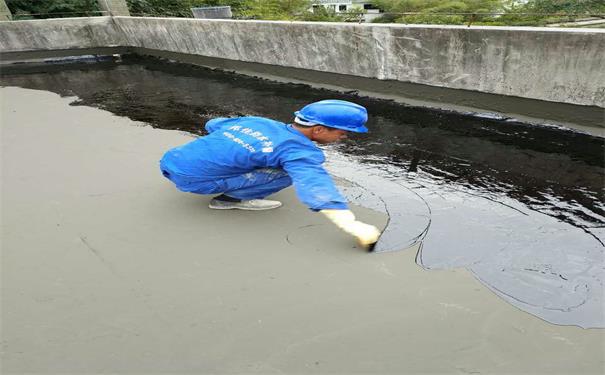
x,y
438,11
504,12
566,6
27,9
172,8
543,12
319,14
478,12
273,9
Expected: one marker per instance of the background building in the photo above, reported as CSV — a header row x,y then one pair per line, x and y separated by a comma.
x,y
341,6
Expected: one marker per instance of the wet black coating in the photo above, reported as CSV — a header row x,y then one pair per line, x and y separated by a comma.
x,y
504,166
529,163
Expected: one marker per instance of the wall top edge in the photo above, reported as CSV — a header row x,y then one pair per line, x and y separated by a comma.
x,y
383,25
65,19
101,19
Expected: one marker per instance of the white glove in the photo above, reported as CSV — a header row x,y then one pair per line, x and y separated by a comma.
x,y
344,219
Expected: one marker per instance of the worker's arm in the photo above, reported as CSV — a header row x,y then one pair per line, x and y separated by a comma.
x,y
315,188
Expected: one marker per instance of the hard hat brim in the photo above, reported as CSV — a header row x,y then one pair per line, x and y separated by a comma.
x,y
361,129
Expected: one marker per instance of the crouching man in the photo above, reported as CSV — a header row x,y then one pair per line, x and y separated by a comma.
x,y
246,159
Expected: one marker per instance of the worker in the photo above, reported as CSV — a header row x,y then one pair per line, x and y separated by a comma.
x,y
246,159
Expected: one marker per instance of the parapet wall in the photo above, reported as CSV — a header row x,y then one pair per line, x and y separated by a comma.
x,y
557,65
58,34
546,64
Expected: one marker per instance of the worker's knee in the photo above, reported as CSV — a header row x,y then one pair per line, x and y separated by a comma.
x,y
272,172
276,176
281,182
189,185
285,181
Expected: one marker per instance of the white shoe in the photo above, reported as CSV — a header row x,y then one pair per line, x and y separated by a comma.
x,y
252,205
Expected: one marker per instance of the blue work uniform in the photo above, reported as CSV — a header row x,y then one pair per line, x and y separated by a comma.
x,y
251,158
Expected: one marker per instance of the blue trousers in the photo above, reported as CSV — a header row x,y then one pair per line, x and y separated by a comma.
x,y
257,184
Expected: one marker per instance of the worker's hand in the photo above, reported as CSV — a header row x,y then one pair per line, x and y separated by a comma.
x,y
366,234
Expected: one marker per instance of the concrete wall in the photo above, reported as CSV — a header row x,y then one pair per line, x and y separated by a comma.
x,y
558,65
546,64
59,34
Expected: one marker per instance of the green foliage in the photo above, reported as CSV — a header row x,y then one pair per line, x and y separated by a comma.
x,y
438,11
543,12
566,6
272,9
508,12
516,12
249,9
172,8
28,9
320,14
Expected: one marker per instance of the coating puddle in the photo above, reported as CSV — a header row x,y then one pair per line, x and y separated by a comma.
x,y
520,206
534,261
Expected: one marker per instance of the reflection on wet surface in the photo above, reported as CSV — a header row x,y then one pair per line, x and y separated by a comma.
x,y
520,206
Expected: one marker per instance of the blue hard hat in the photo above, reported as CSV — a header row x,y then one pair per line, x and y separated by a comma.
x,y
338,114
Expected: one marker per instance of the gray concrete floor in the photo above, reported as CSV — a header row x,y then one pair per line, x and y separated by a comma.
x,y
106,268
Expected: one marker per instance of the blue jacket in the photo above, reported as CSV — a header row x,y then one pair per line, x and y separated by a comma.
x,y
235,146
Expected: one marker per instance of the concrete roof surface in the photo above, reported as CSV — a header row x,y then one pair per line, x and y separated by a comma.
x,y
107,268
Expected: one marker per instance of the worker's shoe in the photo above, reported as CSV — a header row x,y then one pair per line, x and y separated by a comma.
x,y
252,204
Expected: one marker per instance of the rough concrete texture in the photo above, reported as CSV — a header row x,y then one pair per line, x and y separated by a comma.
x,y
559,65
5,13
58,34
590,119
555,65
114,7
106,268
